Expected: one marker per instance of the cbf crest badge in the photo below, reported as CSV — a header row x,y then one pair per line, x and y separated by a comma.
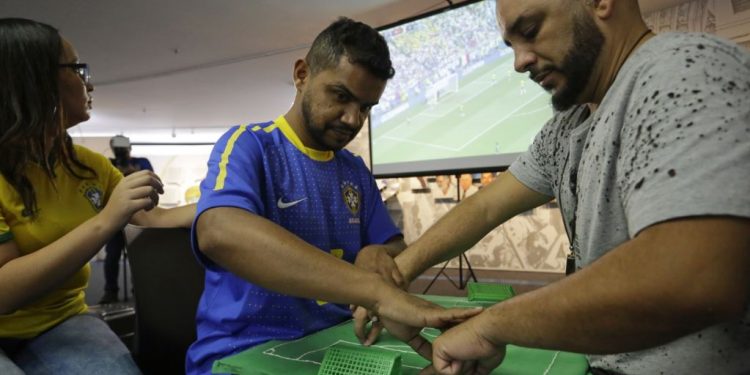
x,y
95,197
352,197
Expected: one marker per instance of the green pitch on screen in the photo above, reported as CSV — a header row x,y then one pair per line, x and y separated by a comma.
x,y
495,110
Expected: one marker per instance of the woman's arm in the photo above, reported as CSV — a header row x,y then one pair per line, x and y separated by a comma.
x,y
23,278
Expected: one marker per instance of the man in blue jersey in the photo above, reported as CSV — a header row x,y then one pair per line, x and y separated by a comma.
x,y
284,211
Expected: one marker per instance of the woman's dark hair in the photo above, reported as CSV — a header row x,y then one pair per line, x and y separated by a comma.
x,y
32,128
360,43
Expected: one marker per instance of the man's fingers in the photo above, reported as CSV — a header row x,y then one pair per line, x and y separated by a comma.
x,y
443,361
374,333
446,366
460,315
361,317
421,346
360,324
398,278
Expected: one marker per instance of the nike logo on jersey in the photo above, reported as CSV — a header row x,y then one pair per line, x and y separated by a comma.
x,y
281,204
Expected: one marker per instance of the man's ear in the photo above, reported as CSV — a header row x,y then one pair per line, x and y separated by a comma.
x,y
301,73
602,9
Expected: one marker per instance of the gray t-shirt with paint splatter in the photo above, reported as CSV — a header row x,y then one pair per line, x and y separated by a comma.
x,y
670,139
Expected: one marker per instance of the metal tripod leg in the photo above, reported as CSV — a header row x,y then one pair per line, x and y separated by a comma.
x,y
461,282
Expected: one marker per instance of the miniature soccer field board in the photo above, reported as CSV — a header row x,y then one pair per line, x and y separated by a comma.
x,y
305,355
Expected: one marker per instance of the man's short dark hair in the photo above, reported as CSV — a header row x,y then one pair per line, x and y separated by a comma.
x,y
360,43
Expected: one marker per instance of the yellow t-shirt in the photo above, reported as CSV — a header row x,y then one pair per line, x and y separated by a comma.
x,y
61,207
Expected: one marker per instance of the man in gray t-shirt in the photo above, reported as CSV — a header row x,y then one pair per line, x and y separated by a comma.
x,y
649,157
661,146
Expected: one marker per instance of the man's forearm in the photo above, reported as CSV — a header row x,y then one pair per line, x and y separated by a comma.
x,y
266,254
570,316
177,217
395,246
450,236
466,224
681,286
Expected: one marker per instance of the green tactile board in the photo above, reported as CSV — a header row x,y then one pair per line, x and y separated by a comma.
x,y
305,355
489,292
348,360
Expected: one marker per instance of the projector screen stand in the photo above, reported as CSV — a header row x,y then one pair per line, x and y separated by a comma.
x,y
461,259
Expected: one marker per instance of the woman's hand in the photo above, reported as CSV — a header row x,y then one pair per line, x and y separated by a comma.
x,y
138,191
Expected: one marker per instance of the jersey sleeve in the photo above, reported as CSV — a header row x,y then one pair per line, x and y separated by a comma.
x,y
234,179
685,147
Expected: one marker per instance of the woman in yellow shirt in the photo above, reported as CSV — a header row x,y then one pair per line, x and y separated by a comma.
x,y
59,204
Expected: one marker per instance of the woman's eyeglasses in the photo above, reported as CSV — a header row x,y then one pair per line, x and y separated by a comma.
x,y
81,69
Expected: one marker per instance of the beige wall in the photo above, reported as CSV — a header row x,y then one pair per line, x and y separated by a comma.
x,y
533,241
98,144
693,16
727,18
181,168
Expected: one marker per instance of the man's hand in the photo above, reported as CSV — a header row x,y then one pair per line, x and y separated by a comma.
x,y
464,350
404,316
376,258
361,318
411,335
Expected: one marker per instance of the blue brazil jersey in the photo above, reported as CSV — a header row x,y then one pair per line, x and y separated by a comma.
x,y
328,199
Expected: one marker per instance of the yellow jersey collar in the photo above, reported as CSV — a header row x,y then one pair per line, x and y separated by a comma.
x,y
289,133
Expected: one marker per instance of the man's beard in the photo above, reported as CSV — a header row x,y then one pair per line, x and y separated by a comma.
x,y
579,62
318,132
